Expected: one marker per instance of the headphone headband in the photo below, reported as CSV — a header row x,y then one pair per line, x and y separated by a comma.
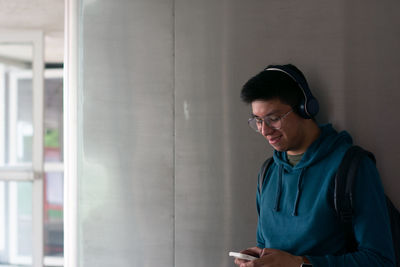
x,y
310,107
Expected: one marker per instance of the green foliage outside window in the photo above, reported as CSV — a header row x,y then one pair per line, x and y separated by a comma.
x,y
51,138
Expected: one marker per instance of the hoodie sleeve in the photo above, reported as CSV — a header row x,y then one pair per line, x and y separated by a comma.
x,y
370,222
260,240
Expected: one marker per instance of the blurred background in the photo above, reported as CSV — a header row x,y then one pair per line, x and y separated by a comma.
x,y
166,166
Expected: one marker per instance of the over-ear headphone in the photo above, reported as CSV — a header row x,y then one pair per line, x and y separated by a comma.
x,y
309,106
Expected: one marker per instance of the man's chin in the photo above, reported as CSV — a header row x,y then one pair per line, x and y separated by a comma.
x,y
278,148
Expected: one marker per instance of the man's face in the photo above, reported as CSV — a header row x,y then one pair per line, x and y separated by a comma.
x,y
291,137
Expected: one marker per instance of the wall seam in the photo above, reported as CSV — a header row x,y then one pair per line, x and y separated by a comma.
x,y
174,135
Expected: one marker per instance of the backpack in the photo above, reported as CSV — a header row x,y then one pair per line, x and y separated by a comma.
x,y
343,197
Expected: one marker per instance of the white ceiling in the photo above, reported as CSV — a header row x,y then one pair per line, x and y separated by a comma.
x,y
44,15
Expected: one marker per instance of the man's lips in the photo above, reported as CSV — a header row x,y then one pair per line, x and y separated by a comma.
x,y
274,140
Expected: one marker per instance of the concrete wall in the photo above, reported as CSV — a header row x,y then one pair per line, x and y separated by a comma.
x,y
126,172
168,166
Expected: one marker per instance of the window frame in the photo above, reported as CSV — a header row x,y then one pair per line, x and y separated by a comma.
x,y
34,173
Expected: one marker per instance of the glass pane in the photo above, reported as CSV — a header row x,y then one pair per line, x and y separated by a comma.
x,y
16,128
53,214
16,220
53,116
24,125
2,218
16,223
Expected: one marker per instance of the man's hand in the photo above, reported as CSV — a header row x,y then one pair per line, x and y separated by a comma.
x,y
254,251
273,258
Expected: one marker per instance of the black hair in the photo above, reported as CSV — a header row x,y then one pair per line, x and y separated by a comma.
x,y
268,85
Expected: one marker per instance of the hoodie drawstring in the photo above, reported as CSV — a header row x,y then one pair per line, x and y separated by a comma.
x,y
279,190
299,188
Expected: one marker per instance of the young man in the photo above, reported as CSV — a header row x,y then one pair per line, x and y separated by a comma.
x,y
297,222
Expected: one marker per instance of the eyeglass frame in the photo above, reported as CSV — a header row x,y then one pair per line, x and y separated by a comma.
x,y
263,120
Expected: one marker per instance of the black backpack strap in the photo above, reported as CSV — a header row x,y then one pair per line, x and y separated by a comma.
x,y
263,171
344,181
344,187
394,217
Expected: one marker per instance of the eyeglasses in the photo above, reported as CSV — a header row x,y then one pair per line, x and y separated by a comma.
x,y
274,122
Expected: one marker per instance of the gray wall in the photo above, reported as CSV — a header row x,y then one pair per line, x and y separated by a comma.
x,y
168,166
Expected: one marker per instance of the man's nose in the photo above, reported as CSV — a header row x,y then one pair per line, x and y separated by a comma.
x,y
266,129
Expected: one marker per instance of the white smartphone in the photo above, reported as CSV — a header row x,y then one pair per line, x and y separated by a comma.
x,y
242,256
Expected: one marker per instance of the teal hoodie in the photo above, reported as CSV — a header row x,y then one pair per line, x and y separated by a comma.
x,y
297,215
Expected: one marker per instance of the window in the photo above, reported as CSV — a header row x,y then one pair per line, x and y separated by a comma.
x,y
31,163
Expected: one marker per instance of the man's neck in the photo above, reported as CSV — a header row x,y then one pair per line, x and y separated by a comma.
x,y
313,133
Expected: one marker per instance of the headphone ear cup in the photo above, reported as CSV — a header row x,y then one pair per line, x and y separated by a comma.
x,y
302,110
310,109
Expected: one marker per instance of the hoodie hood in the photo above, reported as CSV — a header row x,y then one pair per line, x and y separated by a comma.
x,y
328,141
